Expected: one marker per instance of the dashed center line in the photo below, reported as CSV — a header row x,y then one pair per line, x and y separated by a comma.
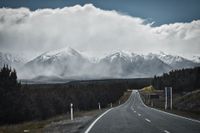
x,y
147,120
134,111
166,131
139,114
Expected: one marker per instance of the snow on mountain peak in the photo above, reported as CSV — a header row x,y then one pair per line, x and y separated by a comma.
x,y
63,51
125,55
59,53
119,63
196,59
11,59
169,59
150,56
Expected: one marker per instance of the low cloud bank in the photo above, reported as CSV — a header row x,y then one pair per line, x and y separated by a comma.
x,y
92,30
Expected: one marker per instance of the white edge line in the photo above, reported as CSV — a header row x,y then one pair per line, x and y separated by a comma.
x,y
90,127
148,120
93,123
170,113
166,131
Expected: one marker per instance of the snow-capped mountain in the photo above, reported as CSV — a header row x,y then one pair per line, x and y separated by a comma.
x,y
11,60
126,64
62,63
69,63
176,62
196,59
116,64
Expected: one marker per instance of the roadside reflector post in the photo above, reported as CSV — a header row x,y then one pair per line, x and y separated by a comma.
x,y
152,103
71,110
149,100
171,98
168,97
111,105
119,102
165,98
99,106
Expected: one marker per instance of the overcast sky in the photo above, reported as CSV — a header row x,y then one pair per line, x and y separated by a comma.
x,y
94,30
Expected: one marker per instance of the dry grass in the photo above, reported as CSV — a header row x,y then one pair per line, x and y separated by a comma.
x,y
148,89
33,127
37,126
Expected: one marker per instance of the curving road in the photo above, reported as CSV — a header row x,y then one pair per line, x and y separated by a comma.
x,y
135,117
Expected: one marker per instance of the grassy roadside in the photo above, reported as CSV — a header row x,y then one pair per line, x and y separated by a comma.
x,y
187,114
159,103
40,126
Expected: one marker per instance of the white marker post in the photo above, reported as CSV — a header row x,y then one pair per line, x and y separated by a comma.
x,y
119,102
151,103
99,106
71,108
165,98
111,105
171,98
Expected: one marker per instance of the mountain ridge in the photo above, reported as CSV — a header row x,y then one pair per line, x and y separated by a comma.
x,y
11,59
68,62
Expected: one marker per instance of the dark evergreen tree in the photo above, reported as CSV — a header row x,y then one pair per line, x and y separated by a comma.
x,y
183,80
10,96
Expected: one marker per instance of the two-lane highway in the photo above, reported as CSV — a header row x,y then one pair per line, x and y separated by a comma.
x,y
135,117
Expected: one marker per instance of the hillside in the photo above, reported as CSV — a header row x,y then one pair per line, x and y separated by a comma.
x,y
189,102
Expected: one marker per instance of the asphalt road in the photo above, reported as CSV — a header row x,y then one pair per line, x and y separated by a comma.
x,y
135,117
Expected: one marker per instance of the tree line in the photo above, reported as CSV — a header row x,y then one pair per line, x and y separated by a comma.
x,y
22,102
184,80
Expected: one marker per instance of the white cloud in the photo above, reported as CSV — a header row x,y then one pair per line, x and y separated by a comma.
x,y
92,30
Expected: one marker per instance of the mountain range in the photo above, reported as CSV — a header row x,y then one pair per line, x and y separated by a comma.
x,y
68,63
11,60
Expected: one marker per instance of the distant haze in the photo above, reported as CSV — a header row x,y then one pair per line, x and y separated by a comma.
x,y
93,31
